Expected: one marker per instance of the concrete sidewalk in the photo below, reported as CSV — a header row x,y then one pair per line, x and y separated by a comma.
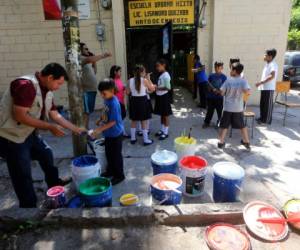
x,y
272,167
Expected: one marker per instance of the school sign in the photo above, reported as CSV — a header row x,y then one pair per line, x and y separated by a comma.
x,y
159,12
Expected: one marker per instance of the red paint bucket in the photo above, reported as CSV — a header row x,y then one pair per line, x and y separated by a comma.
x,y
193,171
56,197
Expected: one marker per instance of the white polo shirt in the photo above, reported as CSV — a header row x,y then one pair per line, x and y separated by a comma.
x,y
268,69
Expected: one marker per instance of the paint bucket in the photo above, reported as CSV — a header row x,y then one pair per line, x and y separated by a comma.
x,y
96,192
164,161
185,146
192,172
166,189
129,200
99,150
227,181
84,168
56,197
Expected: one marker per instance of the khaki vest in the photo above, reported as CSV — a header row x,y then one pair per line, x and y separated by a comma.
x,y
10,128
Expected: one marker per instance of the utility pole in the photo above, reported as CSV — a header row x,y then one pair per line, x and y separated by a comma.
x,y
70,25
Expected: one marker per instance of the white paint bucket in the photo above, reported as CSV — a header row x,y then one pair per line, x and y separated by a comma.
x,y
99,149
83,168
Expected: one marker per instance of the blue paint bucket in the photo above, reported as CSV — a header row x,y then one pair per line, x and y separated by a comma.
x,y
166,189
164,161
96,192
83,168
227,181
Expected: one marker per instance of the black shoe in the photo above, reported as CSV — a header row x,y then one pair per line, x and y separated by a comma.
x,y
117,180
148,143
125,136
205,125
246,145
163,137
140,133
221,145
64,181
159,133
106,175
133,141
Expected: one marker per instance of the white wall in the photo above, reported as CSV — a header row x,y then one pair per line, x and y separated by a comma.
x,y
245,29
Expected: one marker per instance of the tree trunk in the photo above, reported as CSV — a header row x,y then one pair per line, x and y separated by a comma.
x,y
70,25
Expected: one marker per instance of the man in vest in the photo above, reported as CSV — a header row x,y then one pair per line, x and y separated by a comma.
x,y
25,108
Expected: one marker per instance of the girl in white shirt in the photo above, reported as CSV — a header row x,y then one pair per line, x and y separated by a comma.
x,y
138,103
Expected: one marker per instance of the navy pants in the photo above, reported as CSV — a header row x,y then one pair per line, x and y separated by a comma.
x,y
18,157
113,151
212,105
266,106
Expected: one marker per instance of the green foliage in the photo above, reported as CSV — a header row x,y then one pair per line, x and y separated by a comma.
x,y
295,18
294,32
296,3
294,39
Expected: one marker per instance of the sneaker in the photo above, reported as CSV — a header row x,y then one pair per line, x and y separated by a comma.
x,y
163,137
246,145
140,133
148,143
117,180
133,141
221,145
205,125
159,133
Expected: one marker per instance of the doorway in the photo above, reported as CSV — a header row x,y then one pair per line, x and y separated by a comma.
x,y
146,44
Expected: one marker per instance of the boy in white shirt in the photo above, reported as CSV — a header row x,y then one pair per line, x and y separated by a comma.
x,y
267,86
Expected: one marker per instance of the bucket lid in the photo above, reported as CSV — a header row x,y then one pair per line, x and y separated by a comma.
x,y
193,162
228,170
164,157
292,209
55,191
226,236
267,231
129,199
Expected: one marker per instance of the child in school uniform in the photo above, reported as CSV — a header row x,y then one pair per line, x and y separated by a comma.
x,y
112,130
115,74
163,100
214,97
233,90
139,110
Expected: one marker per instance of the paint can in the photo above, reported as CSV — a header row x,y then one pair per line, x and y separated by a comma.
x,y
166,189
185,146
193,170
99,149
227,181
96,192
56,197
84,168
164,161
